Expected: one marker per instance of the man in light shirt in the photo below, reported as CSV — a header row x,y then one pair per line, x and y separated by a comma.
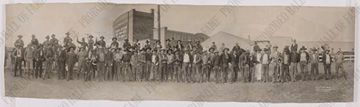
x,y
187,65
327,60
274,66
265,60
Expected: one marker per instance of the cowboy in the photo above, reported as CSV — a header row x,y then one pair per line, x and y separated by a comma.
x,y
101,42
286,61
49,55
18,54
339,60
213,46
29,58
327,60
167,44
142,65
198,47
314,64
274,66
294,59
71,59
117,64
47,41
205,71
61,60
100,62
34,41
91,43
154,64
197,62
82,55
67,39
109,60
177,66
82,43
294,46
179,46
186,65
234,57
148,63
39,59
147,45
53,40
245,66
114,44
216,63
126,44
170,65
163,65
134,61
265,61
19,43
127,66
304,58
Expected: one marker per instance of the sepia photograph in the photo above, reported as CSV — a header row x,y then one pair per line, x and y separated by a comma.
x,y
207,53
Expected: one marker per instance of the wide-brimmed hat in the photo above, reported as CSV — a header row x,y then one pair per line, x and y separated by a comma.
x,y
266,49
303,48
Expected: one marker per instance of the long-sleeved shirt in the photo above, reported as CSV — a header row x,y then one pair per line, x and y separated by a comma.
x,y
118,56
186,58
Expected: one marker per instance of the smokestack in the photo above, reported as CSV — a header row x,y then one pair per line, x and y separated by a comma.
x,y
158,18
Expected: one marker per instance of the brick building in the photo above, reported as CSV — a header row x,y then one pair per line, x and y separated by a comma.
x,y
134,25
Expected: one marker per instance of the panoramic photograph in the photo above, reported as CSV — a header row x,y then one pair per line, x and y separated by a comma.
x,y
214,53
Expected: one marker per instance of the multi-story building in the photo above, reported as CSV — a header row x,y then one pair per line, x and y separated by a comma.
x,y
134,25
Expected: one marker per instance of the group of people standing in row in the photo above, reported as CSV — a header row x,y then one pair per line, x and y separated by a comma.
x,y
180,61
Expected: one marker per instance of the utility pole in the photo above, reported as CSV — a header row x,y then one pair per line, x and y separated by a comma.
x,y
158,19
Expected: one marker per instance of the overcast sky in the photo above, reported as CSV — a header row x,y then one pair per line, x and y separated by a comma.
x,y
307,24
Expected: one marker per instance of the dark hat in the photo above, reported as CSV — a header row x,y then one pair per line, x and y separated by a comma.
x,y
47,37
266,49
67,33
117,48
20,36
102,37
211,49
303,48
114,38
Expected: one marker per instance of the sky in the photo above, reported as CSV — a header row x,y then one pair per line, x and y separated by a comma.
x,y
307,24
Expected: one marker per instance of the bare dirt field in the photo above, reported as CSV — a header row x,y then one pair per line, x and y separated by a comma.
x,y
335,90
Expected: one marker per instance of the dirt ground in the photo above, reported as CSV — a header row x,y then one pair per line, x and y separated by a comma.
x,y
335,90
